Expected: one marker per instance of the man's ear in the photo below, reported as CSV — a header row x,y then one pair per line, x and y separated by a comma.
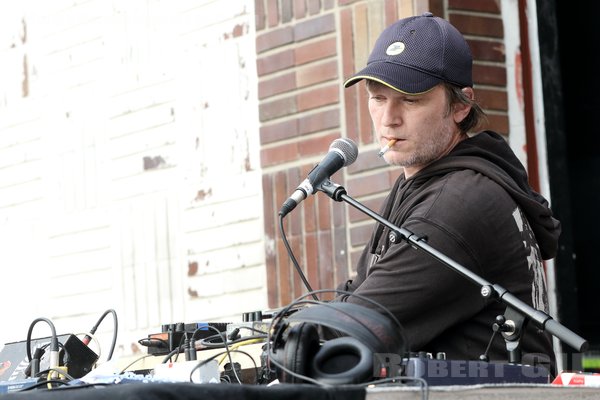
x,y
462,110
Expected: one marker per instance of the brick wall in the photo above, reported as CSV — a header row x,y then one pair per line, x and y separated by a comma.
x,y
305,50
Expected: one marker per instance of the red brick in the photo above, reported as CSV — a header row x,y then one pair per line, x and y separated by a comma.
x,y
325,255
272,13
371,184
281,191
311,74
318,97
313,269
367,160
354,257
324,214
489,75
299,9
487,51
498,123
294,177
277,85
492,99
269,220
315,51
311,246
360,235
287,12
272,281
319,121
310,215
340,256
279,131
297,283
347,44
490,6
259,14
278,155
338,209
314,6
360,37
391,12
275,62
351,112
374,204
274,38
312,146
326,269
437,8
277,108
284,285
481,26
314,27
364,117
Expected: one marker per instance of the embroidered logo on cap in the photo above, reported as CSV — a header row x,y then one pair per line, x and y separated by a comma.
x,y
394,49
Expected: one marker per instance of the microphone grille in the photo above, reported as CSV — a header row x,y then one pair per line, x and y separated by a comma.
x,y
346,148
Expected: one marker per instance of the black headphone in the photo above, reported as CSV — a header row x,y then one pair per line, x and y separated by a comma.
x,y
355,336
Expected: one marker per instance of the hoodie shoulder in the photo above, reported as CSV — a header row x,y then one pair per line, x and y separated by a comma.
x,y
489,154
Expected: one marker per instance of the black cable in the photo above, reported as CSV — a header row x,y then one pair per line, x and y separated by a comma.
x,y
54,351
293,258
87,338
154,342
176,350
65,385
43,383
227,350
53,339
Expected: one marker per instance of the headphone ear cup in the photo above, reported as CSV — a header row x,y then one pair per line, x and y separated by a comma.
x,y
343,360
301,345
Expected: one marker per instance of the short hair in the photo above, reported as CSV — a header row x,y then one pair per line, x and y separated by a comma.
x,y
476,117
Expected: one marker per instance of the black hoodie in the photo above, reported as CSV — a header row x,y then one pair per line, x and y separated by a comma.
x,y
476,207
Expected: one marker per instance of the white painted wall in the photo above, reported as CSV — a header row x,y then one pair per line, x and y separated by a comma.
x,y
85,226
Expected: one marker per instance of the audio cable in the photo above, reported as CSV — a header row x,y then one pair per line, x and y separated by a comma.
x,y
34,362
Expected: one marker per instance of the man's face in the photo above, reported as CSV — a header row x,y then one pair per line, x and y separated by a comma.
x,y
422,124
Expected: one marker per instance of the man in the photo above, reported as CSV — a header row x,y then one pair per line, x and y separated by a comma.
x,y
466,193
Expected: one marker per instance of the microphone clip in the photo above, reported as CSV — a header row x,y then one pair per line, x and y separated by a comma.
x,y
331,189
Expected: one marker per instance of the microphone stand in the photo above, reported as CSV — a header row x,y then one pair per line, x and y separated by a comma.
x,y
517,311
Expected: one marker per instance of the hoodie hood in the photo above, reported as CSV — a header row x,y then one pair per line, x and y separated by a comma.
x,y
489,154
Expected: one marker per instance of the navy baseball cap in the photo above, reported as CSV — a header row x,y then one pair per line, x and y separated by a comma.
x,y
416,53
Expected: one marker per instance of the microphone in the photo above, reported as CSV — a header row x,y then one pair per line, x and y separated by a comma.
x,y
342,152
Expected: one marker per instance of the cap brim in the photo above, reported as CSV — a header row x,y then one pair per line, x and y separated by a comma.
x,y
398,77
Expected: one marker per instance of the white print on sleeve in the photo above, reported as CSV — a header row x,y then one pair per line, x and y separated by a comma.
x,y
534,261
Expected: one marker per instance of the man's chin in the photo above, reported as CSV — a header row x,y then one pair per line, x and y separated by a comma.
x,y
392,158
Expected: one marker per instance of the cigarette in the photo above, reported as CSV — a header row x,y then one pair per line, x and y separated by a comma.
x,y
385,148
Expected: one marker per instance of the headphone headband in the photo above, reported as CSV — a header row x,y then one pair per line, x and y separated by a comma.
x,y
372,328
